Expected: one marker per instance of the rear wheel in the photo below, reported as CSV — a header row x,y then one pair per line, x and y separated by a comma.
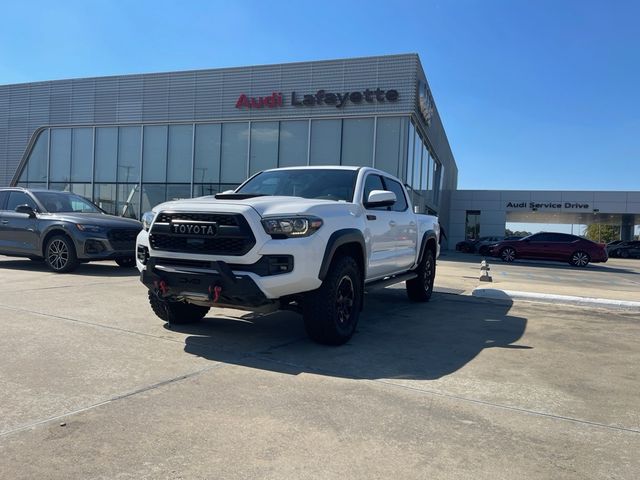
x,y
176,312
60,254
331,312
580,259
623,254
508,254
419,289
126,262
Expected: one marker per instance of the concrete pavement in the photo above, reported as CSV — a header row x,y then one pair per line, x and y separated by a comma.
x,y
456,388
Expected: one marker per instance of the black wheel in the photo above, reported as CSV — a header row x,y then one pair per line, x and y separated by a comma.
x,y
623,254
508,254
580,259
419,289
126,262
176,312
331,312
483,250
60,254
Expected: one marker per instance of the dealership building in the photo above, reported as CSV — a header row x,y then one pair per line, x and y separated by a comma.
x,y
130,142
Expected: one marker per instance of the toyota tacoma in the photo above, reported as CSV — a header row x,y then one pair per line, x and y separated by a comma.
x,y
309,239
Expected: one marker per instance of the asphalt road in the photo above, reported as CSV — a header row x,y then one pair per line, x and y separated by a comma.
x,y
92,385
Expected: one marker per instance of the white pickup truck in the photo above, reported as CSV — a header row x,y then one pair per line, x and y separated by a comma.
x,y
310,239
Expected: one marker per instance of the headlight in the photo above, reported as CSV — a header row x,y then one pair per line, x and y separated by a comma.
x,y
89,228
147,220
283,227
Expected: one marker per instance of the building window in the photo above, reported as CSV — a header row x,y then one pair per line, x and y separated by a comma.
x,y
357,142
325,142
235,140
472,225
60,155
81,155
264,146
128,154
207,154
180,153
389,144
106,154
294,143
154,154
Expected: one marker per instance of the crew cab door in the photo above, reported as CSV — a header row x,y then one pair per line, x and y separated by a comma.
x,y
404,228
380,232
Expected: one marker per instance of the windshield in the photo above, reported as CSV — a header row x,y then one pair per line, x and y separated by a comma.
x,y
55,202
308,183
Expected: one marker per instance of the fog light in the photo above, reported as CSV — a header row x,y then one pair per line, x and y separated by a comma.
x,y
93,247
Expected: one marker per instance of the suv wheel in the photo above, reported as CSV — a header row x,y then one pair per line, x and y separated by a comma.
x,y
176,312
331,312
508,254
419,289
623,254
580,259
60,254
126,262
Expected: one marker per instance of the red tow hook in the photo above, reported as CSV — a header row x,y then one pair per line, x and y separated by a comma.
x,y
214,293
162,287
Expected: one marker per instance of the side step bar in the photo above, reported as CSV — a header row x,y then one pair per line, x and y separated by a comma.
x,y
385,282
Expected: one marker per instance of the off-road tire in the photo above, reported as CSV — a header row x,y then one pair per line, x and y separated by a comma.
x,y
176,312
60,254
419,289
126,262
332,311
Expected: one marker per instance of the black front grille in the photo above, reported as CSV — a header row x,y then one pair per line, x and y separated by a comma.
x,y
219,218
233,234
123,238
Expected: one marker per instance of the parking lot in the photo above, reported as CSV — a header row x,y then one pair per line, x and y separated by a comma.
x,y
93,385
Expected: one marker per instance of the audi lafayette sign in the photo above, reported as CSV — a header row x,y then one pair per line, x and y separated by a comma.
x,y
321,97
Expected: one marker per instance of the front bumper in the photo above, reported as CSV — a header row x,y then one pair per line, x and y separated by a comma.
x,y
220,287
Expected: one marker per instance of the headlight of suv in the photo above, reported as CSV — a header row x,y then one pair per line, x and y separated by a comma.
x,y
147,220
287,227
89,228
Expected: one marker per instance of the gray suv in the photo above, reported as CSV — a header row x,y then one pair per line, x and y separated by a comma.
x,y
63,229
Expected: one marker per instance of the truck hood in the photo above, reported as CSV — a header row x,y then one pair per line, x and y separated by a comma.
x,y
265,206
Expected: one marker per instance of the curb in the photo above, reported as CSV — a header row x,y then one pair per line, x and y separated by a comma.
x,y
497,294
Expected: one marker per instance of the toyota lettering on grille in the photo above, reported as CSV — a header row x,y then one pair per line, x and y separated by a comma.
x,y
198,229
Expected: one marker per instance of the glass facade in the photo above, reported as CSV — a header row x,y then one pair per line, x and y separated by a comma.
x,y
126,170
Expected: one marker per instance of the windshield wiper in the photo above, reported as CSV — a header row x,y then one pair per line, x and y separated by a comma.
x,y
238,196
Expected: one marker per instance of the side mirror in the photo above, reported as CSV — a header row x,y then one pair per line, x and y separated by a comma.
x,y
380,198
27,210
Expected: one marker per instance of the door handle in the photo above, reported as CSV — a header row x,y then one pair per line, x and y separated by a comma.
x,y
4,222
371,217
412,224
392,223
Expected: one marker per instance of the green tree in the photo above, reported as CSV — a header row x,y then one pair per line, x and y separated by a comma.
x,y
517,233
599,232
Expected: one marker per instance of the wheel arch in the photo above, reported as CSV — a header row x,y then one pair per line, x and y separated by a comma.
x,y
347,240
52,232
429,241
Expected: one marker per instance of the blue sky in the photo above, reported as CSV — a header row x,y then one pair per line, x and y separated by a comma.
x,y
534,94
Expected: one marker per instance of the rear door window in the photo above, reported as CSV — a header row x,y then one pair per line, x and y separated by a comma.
x,y
401,202
3,199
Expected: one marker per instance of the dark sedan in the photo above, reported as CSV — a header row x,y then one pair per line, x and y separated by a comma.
x,y
560,247
63,229
626,249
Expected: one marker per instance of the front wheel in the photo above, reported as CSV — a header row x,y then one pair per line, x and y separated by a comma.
x,y
508,254
580,259
126,262
60,254
331,312
623,254
419,289
176,312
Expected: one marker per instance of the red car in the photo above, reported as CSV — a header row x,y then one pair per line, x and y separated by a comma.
x,y
562,247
